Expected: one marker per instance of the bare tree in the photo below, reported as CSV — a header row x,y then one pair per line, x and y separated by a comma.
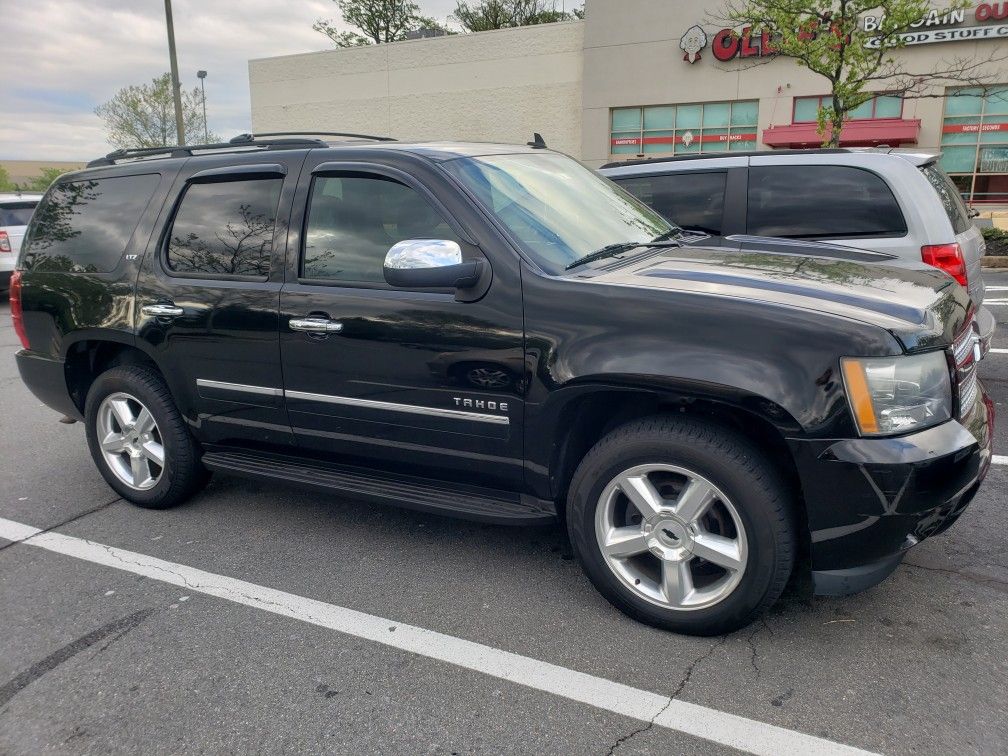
x,y
376,21
243,249
484,15
144,115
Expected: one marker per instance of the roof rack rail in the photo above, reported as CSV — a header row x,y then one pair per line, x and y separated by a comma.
x,y
317,133
238,142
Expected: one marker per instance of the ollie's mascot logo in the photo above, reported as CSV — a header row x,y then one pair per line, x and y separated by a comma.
x,y
692,42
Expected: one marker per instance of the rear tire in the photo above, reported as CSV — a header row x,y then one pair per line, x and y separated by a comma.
x,y
138,439
642,550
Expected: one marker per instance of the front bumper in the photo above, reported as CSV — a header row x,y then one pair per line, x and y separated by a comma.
x,y
868,500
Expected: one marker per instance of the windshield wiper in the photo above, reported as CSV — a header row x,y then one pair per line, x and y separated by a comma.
x,y
611,250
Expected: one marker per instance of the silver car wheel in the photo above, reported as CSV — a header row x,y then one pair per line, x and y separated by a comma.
x,y
130,441
671,537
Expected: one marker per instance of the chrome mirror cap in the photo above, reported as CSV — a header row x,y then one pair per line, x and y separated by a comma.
x,y
423,254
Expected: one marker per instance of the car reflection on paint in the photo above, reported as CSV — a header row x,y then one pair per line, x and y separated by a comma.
x,y
494,370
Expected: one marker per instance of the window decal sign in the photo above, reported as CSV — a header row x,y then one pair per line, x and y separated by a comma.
x,y
972,128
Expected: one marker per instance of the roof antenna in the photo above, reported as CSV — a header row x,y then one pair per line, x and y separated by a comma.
x,y
537,143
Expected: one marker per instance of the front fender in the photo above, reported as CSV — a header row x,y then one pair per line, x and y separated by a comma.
x,y
693,343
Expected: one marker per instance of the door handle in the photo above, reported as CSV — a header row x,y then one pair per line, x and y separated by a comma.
x,y
315,325
168,310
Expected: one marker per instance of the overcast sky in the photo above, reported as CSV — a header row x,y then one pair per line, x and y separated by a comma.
x,y
61,58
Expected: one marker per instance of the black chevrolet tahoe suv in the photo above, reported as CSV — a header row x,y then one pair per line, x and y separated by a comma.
x,y
498,333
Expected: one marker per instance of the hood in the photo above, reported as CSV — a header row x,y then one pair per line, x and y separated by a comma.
x,y
920,305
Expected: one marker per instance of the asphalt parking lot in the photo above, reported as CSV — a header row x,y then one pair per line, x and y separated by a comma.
x,y
113,651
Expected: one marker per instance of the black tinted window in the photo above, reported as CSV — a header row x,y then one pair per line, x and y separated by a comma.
x,y
16,214
949,195
225,229
353,220
824,201
86,225
692,200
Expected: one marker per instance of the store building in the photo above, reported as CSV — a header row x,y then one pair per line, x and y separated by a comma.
x,y
643,78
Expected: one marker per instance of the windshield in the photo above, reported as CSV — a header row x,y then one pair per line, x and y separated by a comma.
x,y
555,208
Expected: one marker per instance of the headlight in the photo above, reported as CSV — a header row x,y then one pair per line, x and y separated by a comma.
x,y
890,395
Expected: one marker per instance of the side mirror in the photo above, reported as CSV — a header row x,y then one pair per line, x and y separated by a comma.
x,y
430,264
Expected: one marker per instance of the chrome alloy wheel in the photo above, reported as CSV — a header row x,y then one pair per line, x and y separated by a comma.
x,y
671,536
130,441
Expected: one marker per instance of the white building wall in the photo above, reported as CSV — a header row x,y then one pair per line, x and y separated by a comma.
x,y
496,86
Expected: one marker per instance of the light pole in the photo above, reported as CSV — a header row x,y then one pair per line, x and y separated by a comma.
x,y
201,75
176,85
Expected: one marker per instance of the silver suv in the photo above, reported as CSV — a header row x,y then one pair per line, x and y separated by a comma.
x,y
892,201
15,212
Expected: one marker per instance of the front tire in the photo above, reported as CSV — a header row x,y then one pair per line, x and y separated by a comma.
x,y
682,524
138,439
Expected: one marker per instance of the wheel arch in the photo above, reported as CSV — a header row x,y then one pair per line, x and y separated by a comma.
x,y
87,358
593,410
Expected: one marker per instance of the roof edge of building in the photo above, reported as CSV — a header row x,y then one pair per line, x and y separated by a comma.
x,y
349,50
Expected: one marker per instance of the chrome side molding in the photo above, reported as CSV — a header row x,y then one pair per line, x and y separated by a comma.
x,y
396,407
239,387
454,414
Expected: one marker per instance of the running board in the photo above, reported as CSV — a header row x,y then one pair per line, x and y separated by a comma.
x,y
437,497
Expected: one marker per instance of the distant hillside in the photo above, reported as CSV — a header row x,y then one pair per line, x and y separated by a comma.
x,y
22,171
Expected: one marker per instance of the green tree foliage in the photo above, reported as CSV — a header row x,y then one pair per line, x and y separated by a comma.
x,y
483,15
376,22
37,183
823,36
42,181
143,115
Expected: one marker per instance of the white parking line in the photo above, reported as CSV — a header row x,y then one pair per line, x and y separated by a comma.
x,y
999,351
995,288
999,459
698,721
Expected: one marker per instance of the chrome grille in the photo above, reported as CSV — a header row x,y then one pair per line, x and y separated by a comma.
x,y
965,362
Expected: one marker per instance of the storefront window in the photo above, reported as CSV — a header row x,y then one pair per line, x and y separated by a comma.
x,y
684,129
806,109
975,142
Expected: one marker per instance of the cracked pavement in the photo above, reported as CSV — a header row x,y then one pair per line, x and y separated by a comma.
x,y
95,660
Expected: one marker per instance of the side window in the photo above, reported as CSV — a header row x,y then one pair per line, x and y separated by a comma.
x,y
225,229
949,195
821,201
354,219
84,226
694,201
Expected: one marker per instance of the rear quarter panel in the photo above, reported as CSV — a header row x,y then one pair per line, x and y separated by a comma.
x,y
62,307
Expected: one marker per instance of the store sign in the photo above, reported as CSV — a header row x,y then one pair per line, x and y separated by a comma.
x,y
928,29
936,26
692,42
983,12
933,18
973,128
958,34
729,44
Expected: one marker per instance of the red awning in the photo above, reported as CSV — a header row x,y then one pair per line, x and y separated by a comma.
x,y
866,133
